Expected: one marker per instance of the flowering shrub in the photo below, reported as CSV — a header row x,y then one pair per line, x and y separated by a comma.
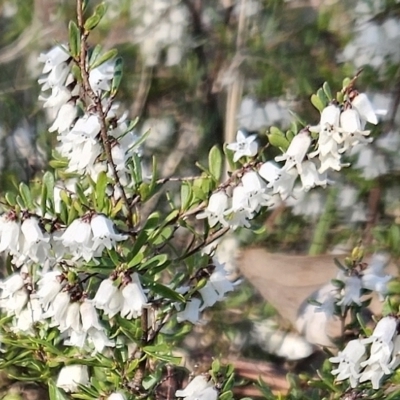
x,y
96,294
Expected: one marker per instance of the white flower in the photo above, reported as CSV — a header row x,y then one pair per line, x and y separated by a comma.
x,y
11,284
10,231
58,309
32,313
256,189
330,116
296,151
349,360
101,76
374,373
240,211
72,318
49,286
383,333
89,316
352,130
79,239
53,57
99,339
56,78
71,376
310,176
281,181
58,97
15,304
104,234
217,205
134,298
109,298
198,389
116,396
36,242
244,146
364,107
65,117
191,312
351,292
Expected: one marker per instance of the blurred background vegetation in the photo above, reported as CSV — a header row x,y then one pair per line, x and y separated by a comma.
x,y
195,71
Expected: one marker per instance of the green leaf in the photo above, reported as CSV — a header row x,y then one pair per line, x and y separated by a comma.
x,y
11,199
43,200
117,76
94,19
54,392
327,91
26,195
186,195
101,186
215,162
279,141
108,55
154,262
74,39
322,97
137,259
48,181
164,291
317,103
215,367
93,56
346,82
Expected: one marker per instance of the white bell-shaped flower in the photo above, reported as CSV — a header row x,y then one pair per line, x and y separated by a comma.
x,y
49,286
53,57
310,176
89,316
104,235
65,117
364,107
70,376
191,312
351,292
72,318
99,339
374,373
383,332
108,298
101,76
58,310
330,116
31,314
256,189
13,305
349,360
11,284
350,121
281,181
244,146
134,298
296,151
10,231
217,205
209,295
240,212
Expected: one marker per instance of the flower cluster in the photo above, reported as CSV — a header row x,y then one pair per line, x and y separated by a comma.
x,y
78,135
359,365
341,129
